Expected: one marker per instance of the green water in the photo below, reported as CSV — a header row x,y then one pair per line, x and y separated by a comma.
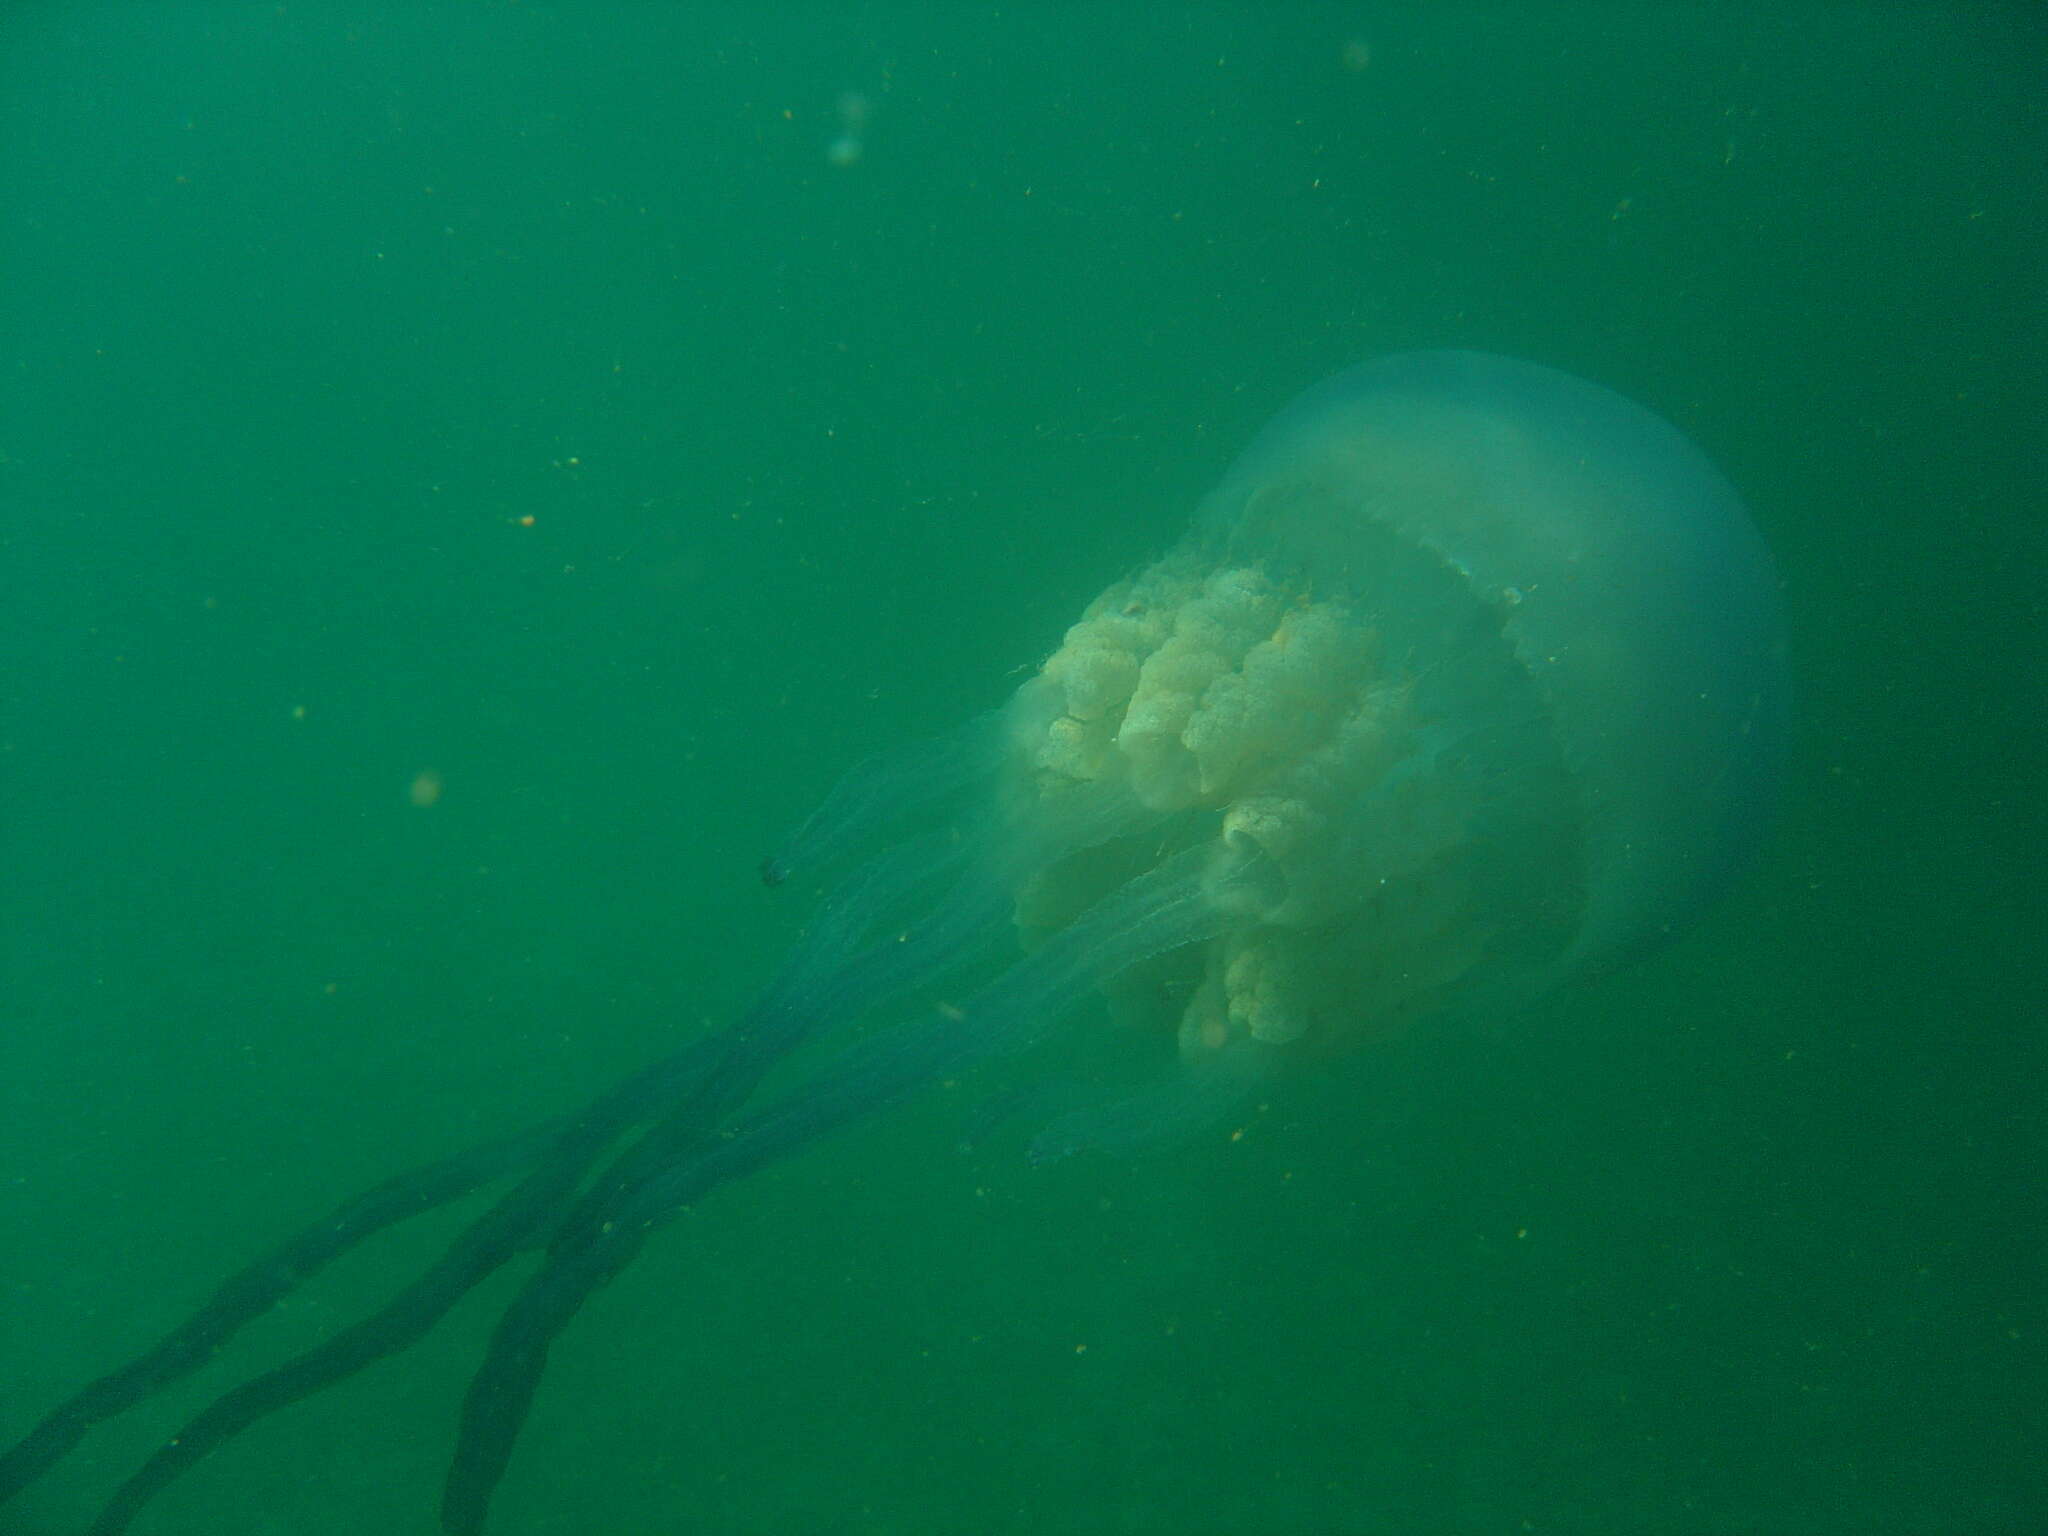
x,y
307,310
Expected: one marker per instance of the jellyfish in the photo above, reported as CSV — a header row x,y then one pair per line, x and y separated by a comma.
x,y
1468,680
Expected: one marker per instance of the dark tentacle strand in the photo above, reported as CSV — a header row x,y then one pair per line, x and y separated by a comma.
x,y
825,979
1160,911
594,1223
260,1287
516,1223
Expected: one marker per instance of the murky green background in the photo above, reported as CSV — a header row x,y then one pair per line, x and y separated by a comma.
x,y
306,310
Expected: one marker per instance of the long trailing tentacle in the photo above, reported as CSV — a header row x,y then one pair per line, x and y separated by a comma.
x,y
826,979
850,960
260,1287
694,1082
517,1222
1159,911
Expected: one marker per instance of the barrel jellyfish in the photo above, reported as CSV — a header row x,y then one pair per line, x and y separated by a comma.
x,y
1467,680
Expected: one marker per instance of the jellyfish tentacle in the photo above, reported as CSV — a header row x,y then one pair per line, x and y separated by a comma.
x,y
722,1069
927,950
486,1245
257,1289
886,788
565,1147
1196,1099
828,978
511,1226
1169,907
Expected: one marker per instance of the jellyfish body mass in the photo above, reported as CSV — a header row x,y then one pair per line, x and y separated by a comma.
x,y
1467,679
1469,675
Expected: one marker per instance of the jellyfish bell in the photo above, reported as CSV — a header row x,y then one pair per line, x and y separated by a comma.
x,y
1469,678
1630,587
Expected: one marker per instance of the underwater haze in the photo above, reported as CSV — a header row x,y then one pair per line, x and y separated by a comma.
x,y
473,475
